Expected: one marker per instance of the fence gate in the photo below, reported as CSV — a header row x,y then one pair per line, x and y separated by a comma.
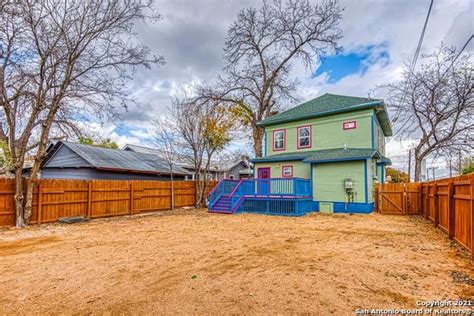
x,y
391,199
398,198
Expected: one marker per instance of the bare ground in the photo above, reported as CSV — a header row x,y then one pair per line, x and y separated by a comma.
x,y
192,262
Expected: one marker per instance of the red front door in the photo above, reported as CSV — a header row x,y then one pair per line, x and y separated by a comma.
x,y
264,181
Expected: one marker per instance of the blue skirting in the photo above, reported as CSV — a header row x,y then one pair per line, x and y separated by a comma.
x,y
276,206
353,207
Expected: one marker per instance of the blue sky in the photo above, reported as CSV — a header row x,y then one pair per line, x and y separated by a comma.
x,y
357,61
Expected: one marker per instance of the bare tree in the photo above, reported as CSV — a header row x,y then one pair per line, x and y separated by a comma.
x,y
166,140
435,105
63,62
205,129
259,52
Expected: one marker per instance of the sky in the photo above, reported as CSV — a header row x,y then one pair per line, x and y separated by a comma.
x,y
379,36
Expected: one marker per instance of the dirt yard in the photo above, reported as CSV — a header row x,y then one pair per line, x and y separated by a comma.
x,y
192,262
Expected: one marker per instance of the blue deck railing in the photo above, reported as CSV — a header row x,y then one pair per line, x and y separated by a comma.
x,y
238,191
224,187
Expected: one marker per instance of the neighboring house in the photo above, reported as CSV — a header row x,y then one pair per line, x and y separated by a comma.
x,y
240,169
323,155
67,160
215,173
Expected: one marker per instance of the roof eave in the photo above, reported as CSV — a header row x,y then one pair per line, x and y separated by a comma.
x,y
337,159
272,159
384,121
325,113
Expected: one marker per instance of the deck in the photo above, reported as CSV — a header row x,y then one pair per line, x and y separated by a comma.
x,y
275,196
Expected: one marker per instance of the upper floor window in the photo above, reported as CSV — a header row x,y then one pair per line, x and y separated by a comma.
x,y
279,140
304,137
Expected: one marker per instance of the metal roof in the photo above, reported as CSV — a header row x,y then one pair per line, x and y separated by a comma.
x,y
116,159
329,104
181,160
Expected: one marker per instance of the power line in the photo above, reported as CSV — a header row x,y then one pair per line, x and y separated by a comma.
x,y
412,66
460,52
444,73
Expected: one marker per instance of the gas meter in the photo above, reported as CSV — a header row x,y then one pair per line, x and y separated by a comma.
x,y
348,184
349,188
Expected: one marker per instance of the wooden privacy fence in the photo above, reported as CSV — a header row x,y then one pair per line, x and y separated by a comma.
x,y
448,203
53,199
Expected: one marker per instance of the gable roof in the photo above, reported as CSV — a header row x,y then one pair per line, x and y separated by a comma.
x,y
115,159
182,161
329,104
326,155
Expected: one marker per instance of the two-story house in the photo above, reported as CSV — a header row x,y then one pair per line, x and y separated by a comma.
x,y
329,151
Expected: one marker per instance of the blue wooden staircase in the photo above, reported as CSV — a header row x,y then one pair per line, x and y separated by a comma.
x,y
277,196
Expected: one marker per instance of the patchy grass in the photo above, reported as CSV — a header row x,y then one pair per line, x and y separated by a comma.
x,y
194,262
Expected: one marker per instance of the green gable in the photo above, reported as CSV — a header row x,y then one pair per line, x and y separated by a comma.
x,y
329,104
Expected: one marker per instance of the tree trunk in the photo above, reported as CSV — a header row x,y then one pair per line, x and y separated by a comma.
x,y
172,188
418,161
198,190
19,197
257,135
30,185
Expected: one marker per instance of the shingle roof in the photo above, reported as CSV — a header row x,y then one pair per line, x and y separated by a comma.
x,y
106,158
325,155
329,104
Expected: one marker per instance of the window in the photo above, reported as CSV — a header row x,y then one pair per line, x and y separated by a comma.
x,y
279,140
231,177
287,171
349,125
304,137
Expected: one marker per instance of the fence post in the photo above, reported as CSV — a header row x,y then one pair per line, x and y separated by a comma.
x,y
472,215
427,200
376,198
380,198
435,204
404,198
131,197
451,213
89,199
420,199
40,202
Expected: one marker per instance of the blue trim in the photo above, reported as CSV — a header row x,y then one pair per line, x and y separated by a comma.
x,y
343,207
383,173
339,159
366,182
272,159
264,143
373,131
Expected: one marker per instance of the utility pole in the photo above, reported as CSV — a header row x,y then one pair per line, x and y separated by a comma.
x,y
409,165
459,162
450,167
434,168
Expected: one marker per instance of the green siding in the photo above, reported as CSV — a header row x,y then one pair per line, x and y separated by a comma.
x,y
327,132
300,169
379,137
379,173
371,173
328,181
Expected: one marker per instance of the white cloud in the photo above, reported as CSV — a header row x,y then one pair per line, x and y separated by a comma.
x,y
191,37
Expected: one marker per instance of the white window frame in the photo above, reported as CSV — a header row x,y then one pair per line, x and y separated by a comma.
x,y
277,140
308,128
